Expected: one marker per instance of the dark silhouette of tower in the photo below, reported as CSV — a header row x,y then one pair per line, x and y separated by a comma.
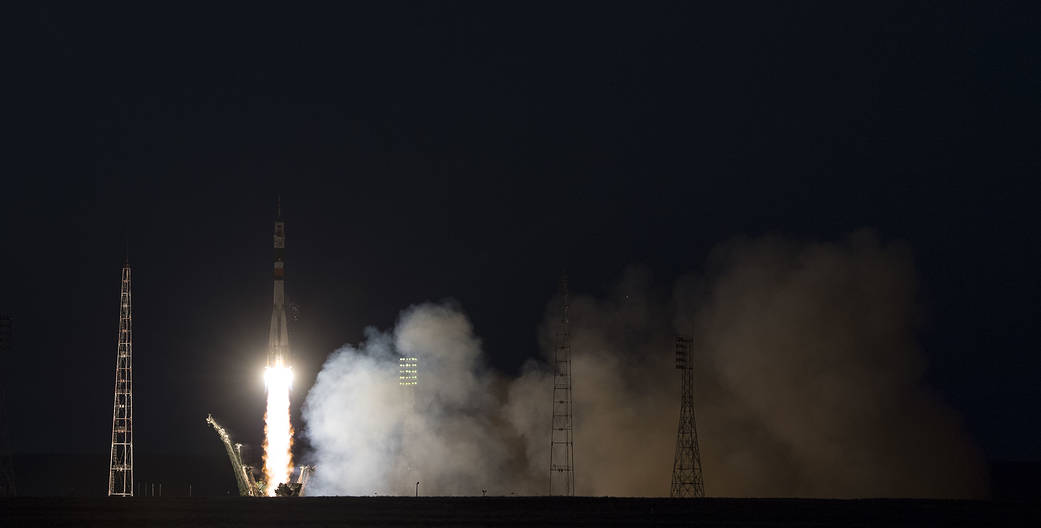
x,y
686,470
121,457
7,488
562,444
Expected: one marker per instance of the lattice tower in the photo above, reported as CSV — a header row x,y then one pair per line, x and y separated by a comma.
x,y
686,469
121,459
562,442
408,379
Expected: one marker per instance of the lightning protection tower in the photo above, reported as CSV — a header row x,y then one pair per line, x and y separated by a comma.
x,y
562,442
686,470
121,458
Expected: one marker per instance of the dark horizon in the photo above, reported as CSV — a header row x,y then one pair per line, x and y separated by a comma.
x,y
471,153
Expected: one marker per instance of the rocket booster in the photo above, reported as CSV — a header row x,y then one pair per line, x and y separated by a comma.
x,y
278,339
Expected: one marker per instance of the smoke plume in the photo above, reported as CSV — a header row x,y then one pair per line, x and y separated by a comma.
x,y
808,382
372,435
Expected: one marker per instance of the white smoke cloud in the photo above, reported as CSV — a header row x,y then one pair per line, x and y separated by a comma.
x,y
808,383
371,435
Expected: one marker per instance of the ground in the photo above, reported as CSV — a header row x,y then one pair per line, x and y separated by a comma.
x,y
508,511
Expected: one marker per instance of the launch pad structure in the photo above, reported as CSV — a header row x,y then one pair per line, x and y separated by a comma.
x,y
247,484
245,475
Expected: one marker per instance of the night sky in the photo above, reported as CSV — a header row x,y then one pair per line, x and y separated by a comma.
x,y
474,151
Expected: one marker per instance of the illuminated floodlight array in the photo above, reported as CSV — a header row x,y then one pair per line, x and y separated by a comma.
x,y
408,371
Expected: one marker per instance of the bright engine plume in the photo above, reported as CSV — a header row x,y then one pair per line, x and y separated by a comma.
x,y
278,431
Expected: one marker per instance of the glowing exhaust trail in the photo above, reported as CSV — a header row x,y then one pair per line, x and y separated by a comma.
x,y
278,432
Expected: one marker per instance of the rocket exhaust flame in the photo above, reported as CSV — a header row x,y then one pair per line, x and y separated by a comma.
x,y
278,431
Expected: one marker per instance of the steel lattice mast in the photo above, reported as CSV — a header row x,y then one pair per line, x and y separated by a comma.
x,y
686,470
562,444
121,461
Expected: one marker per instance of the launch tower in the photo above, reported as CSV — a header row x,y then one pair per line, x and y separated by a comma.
x,y
562,445
243,474
121,456
686,469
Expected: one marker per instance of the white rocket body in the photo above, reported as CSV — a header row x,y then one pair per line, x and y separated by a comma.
x,y
278,339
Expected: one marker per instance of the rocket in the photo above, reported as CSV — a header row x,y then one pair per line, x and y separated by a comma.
x,y
278,339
